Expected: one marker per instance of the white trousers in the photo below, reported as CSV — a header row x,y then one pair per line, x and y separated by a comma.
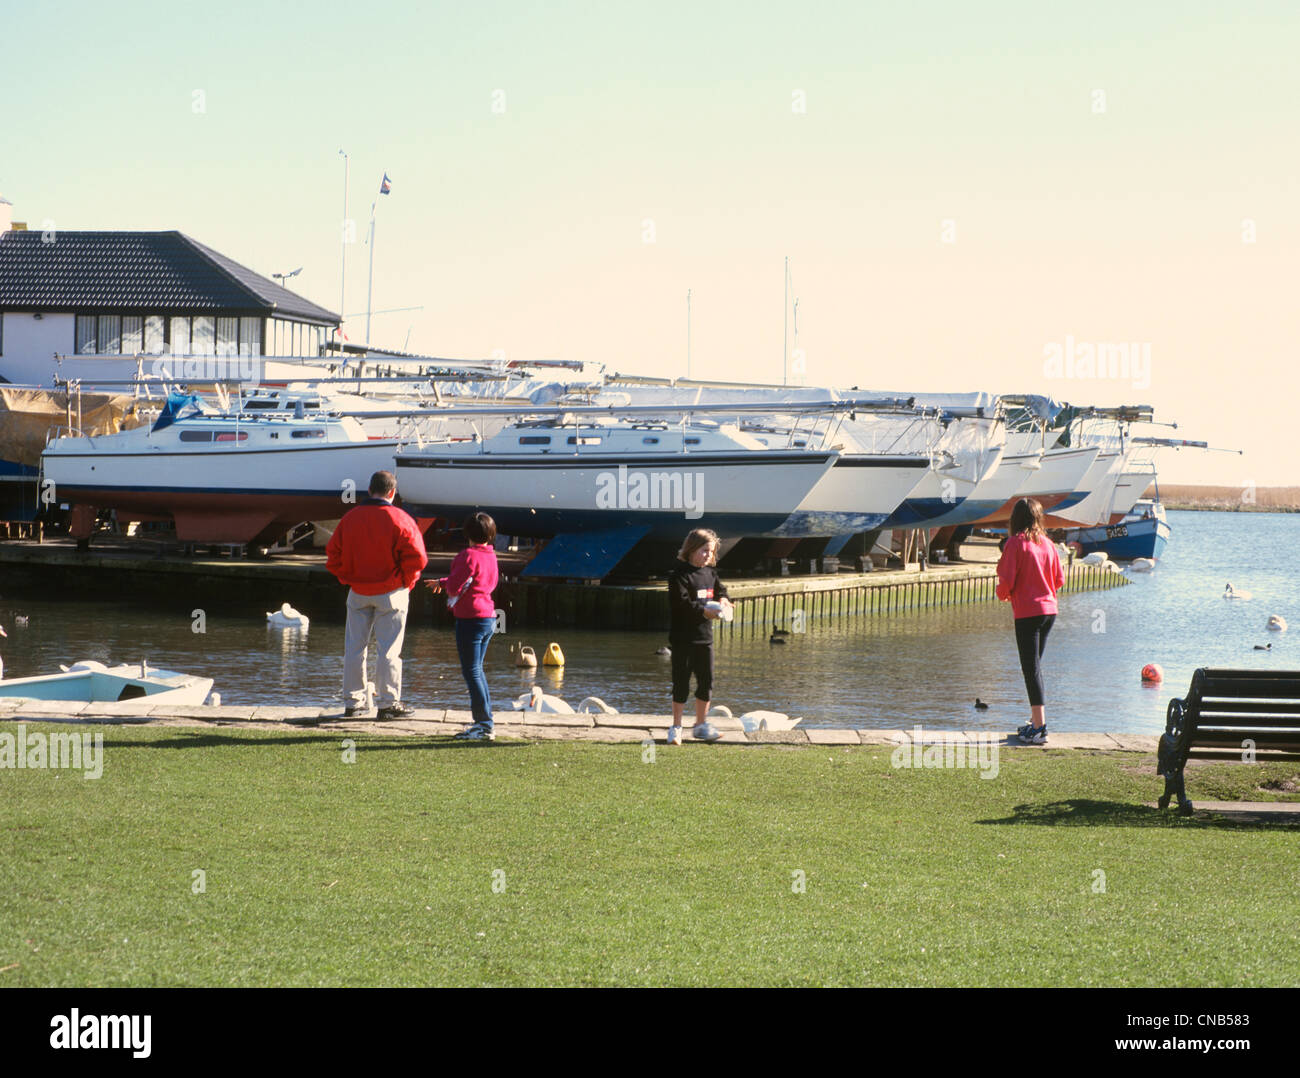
x,y
385,615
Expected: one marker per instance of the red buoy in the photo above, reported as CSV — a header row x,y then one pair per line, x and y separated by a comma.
x,y
1153,672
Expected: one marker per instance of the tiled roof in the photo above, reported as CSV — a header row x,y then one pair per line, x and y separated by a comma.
x,y
151,271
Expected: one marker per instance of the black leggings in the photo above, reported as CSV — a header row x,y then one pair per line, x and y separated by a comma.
x,y
691,659
1031,638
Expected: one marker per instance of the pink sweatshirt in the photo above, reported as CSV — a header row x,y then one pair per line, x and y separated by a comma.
x,y
1029,574
480,562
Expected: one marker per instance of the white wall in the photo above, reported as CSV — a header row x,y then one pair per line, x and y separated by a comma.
x,y
29,346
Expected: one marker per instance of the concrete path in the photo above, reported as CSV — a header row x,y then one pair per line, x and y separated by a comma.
x,y
436,722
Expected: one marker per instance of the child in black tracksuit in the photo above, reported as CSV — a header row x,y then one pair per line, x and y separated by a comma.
x,y
692,585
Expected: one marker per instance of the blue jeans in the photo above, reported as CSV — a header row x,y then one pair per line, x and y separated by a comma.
x,y
472,636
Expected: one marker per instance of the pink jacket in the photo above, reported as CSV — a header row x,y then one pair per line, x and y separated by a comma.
x,y
1029,574
480,562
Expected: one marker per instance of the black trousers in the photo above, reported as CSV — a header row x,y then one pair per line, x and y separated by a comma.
x,y
691,659
1031,638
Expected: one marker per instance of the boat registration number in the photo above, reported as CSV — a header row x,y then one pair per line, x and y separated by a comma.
x,y
1117,531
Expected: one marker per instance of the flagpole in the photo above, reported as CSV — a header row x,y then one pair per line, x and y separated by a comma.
x,y
370,288
785,328
688,333
343,260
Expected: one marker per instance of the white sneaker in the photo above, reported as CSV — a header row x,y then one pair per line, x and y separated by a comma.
x,y
706,731
674,735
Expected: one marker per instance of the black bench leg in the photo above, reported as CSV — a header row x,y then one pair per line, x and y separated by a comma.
x,y
1184,805
1167,766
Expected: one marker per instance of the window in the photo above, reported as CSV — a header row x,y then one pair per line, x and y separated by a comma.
x,y
227,336
86,334
535,439
575,440
231,436
203,337
180,336
110,333
196,436
649,441
154,344
309,434
132,334
692,441
250,336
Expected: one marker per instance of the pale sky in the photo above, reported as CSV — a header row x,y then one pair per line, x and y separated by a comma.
x,y
959,187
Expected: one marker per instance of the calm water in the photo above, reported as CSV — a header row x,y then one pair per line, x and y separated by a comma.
x,y
926,667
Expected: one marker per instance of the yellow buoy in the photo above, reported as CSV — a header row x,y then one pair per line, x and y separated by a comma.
x,y
554,656
524,655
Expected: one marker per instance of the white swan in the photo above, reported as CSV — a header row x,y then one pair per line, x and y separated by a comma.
x,y
539,702
1230,592
1097,557
768,720
1142,565
1277,623
287,618
753,721
598,707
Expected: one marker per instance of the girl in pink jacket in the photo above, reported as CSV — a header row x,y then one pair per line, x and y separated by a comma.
x,y
469,586
1029,576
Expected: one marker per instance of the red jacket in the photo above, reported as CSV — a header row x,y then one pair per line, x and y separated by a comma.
x,y
1029,574
376,549
479,561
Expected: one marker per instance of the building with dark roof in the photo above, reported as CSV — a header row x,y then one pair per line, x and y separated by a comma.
x,y
137,294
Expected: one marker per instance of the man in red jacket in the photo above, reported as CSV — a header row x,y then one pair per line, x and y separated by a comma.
x,y
378,552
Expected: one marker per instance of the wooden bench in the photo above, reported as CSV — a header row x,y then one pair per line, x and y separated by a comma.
x,y
1232,714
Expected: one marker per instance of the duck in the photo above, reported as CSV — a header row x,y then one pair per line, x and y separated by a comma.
x,y
1276,624
777,631
980,705
597,707
1263,647
287,618
539,702
1229,592
777,637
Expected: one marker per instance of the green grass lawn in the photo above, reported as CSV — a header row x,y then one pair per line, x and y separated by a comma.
x,y
428,862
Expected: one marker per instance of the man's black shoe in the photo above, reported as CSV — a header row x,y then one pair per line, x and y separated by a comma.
x,y
396,711
349,712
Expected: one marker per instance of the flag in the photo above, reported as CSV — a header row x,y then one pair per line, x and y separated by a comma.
x,y
386,185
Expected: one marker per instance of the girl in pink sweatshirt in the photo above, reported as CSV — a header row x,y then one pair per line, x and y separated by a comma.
x,y
1029,576
469,586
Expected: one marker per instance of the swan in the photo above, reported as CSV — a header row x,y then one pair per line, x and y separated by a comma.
x,y
1277,624
20,620
85,664
598,707
1229,592
1097,557
753,721
287,618
539,702
1142,565
524,655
